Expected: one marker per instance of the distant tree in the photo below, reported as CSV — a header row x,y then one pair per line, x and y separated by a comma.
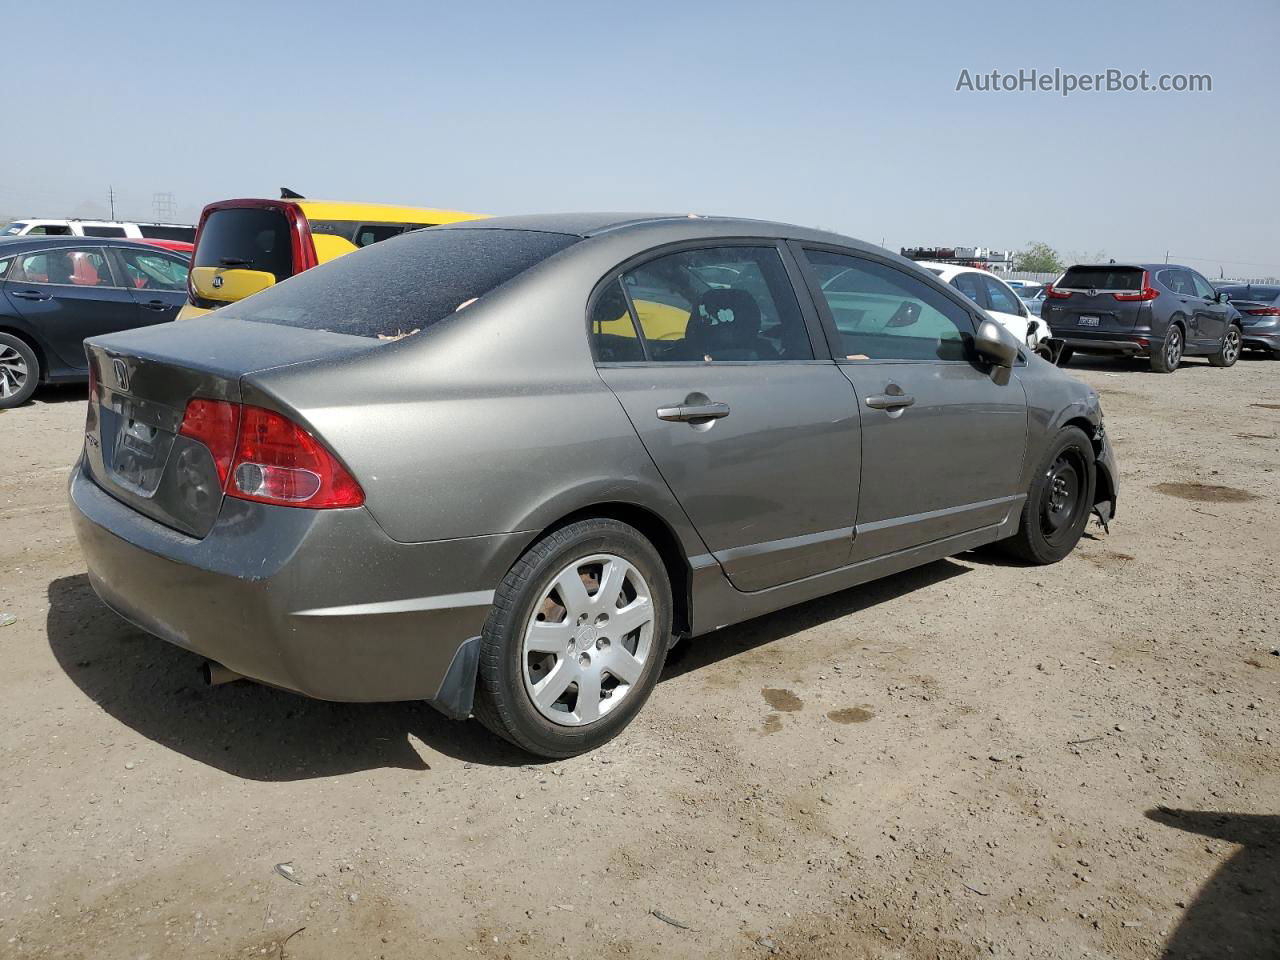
x,y
1037,257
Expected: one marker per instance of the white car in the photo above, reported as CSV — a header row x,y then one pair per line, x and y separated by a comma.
x,y
41,227
997,298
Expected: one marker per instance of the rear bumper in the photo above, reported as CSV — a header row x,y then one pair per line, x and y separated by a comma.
x,y
1135,345
320,602
1261,340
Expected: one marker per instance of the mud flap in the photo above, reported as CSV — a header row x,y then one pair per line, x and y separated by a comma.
x,y
458,690
1103,512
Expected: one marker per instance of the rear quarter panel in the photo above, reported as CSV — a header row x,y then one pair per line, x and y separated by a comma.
x,y
492,421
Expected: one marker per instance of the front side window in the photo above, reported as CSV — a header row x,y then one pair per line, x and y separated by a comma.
x,y
882,313
714,304
969,285
999,297
153,271
77,268
1203,287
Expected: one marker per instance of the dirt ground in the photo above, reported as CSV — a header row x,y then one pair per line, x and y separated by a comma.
x,y
970,759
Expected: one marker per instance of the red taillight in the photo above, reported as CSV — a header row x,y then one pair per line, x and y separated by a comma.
x,y
1262,311
214,423
1053,294
1147,292
266,457
93,380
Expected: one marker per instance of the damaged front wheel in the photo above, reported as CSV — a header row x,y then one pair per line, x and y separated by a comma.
x,y
1059,501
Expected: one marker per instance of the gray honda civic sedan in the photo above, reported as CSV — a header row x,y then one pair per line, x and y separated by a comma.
x,y
502,466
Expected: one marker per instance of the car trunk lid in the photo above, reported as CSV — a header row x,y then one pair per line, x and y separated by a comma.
x,y
141,382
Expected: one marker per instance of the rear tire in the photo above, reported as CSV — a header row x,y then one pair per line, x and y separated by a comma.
x,y
1229,350
19,371
1059,502
553,638
1065,355
1167,358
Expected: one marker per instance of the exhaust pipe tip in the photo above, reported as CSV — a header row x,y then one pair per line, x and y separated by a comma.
x,y
215,674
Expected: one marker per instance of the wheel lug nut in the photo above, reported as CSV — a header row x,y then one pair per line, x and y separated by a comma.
x,y
584,659
602,643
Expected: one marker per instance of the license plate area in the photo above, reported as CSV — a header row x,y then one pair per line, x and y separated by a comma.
x,y
1088,320
141,446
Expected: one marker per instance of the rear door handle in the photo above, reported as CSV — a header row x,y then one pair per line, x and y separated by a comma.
x,y
890,401
32,295
685,412
156,305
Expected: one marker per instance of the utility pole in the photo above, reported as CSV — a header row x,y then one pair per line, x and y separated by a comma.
x,y
1166,256
111,200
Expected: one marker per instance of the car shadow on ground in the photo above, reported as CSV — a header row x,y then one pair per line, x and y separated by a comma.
x,y
261,733
1105,363
61,393
1237,912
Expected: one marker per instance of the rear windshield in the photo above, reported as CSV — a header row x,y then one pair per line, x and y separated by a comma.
x,y
1249,291
1102,278
161,231
389,290
251,238
13,229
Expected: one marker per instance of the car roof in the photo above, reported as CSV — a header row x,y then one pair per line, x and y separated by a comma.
x,y
588,225
949,270
13,244
1151,267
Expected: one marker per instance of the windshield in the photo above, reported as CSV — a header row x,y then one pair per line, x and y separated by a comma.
x,y
398,287
13,229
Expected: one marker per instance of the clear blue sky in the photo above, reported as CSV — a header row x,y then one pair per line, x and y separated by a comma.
x,y
842,115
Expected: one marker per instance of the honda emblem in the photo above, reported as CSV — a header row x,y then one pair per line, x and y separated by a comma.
x,y
121,372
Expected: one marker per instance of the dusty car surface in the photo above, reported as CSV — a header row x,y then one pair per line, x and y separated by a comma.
x,y
501,465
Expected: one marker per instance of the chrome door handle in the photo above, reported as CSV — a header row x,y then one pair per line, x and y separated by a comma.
x,y
31,295
890,401
686,412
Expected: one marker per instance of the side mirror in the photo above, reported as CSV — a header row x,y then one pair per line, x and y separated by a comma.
x,y
996,344
1220,297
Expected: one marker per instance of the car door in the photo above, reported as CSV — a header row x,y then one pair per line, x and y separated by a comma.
x,y
157,282
69,293
712,356
942,442
1211,312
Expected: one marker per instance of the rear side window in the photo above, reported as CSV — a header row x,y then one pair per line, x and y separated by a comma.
x,y
74,268
92,231
13,230
1102,278
161,231
718,304
1179,281
396,288
251,238
882,313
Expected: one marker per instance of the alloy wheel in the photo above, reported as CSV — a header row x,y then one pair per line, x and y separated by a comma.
x,y
1173,347
13,371
1231,346
588,640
